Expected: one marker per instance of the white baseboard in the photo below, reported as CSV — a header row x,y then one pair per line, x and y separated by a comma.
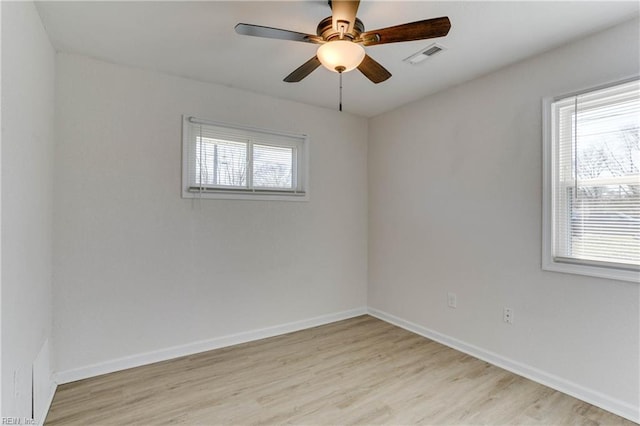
x,y
591,396
200,346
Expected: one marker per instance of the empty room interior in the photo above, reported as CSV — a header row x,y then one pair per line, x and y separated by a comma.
x,y
313,212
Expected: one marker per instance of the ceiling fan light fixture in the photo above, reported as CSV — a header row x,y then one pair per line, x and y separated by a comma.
x,y
340,55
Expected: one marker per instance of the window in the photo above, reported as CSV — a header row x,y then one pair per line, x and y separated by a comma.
x,y
225,161
592,182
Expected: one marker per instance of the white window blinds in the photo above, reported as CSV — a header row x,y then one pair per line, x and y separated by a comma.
x,y
221,158
596,177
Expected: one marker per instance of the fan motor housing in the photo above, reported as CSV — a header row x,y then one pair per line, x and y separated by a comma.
x,y
327,32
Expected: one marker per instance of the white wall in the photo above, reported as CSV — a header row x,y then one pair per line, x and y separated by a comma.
x,y
28,66
455,202
139,269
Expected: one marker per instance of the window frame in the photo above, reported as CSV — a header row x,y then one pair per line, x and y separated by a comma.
x,y
300,165
549,162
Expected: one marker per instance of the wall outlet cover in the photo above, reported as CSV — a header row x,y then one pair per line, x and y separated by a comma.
x,y
452,300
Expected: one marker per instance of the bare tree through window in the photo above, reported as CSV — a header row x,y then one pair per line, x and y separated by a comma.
x,y
273,166
604,201
221,163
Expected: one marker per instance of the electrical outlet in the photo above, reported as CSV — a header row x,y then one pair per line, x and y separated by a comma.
x,y
507,315
452,300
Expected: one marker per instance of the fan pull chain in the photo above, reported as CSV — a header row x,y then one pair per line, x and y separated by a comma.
x,y
340,70
340,91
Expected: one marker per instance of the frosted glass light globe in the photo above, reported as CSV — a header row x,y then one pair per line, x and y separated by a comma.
x,y
338,54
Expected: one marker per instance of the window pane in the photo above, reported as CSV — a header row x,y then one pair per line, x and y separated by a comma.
x,y
597,215
273,166
605,223
220,163
608,141
232,162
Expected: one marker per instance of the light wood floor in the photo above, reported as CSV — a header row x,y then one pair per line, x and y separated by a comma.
x,y
358,371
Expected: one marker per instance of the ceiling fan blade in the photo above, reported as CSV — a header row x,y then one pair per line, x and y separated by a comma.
x,y
268,32
303,70
344,10
420,30
373,70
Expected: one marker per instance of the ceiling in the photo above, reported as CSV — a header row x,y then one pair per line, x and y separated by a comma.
x,y
197,40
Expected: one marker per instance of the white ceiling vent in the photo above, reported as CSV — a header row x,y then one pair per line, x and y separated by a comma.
x,y
427,52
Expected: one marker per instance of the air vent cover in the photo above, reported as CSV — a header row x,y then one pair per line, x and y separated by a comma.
x,y
427,52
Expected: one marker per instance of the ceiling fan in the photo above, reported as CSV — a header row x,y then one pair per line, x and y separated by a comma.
x,y
342,36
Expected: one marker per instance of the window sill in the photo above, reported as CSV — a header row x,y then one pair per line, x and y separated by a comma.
x,y
592,271
246,195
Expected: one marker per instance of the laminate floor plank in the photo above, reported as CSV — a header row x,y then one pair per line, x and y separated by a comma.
x,y
353,372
